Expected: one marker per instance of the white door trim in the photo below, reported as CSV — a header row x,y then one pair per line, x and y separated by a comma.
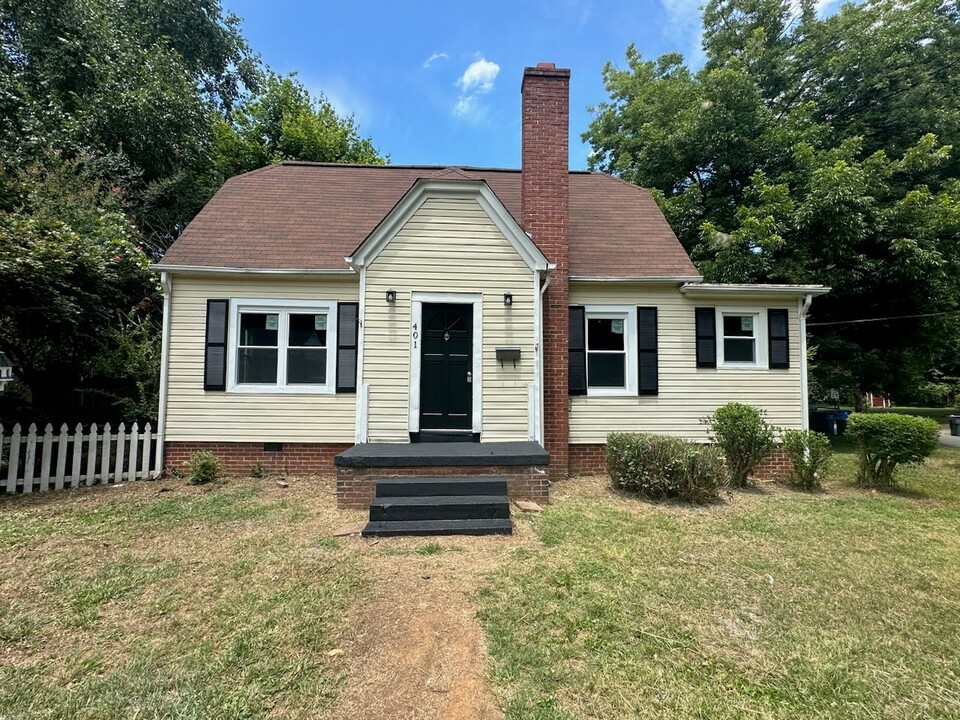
x,y
416,334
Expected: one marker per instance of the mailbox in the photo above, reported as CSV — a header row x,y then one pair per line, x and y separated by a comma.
x,y
508,354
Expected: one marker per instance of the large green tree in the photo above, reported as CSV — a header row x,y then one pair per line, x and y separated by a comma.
x,y
819,150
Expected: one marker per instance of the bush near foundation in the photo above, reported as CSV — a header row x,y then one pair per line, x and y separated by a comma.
x,y
809,454
887,441
205,467
661,467
745,437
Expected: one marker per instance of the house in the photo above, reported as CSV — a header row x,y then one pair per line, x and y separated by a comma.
x,y
6,372
353,316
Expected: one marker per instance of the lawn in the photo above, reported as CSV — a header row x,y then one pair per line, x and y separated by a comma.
x,y
772,604
162,600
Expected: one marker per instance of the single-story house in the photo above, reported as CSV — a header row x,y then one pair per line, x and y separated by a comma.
x,y
525,314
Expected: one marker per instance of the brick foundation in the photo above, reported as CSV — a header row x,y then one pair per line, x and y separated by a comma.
x,y
357,486
589,460
239,457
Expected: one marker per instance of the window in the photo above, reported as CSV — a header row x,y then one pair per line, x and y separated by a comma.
x,y
611,351
742,338
279,346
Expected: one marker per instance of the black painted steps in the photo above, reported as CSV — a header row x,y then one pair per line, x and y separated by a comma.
x,y
440,506
433,486
386,528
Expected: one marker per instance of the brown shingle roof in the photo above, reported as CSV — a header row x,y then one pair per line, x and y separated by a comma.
x,y
309,216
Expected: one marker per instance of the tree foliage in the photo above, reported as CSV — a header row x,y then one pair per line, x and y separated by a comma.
x,y
813,150
118,121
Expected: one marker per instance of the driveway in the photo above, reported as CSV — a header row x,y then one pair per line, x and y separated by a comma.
x,y
949,440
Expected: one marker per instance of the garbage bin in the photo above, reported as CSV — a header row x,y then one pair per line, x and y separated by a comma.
x,y
842,417
955,425
824,421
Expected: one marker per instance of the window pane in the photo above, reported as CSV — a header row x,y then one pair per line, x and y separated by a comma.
x,y
606,370
738,325
259,329
255,365
737,350
308,330
605,333
306,366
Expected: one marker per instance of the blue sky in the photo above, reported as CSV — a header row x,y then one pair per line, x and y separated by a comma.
x,y
439,82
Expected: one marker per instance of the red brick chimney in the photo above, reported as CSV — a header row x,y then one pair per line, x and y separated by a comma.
x,y
545,202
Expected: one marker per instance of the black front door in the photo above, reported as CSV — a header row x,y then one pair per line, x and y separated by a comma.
x,y
446,367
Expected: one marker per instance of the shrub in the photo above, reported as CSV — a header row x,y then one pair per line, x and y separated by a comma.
x,y
809,454
659,467
257,472
205,467
888,440
744,436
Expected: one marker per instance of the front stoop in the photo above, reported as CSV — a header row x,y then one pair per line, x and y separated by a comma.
x,y
521,465
439,506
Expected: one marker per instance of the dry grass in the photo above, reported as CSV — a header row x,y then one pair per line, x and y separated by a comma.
x,y
772,604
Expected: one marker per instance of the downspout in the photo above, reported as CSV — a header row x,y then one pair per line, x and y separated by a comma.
x,y
544,277
804,308
164,362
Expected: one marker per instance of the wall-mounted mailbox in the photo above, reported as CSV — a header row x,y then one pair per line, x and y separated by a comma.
x,y
508,355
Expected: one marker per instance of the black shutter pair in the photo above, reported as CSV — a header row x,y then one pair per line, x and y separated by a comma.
x,y
215,351
648,370
778,338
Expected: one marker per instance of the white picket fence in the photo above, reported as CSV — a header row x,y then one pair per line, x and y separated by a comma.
x,y
31,462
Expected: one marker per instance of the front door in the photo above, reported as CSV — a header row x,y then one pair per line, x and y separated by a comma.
x,y
446,367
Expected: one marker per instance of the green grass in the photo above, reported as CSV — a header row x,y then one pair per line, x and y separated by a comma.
x,y
219,602
774,604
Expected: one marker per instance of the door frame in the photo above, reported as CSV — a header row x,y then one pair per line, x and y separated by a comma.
x,y
417,299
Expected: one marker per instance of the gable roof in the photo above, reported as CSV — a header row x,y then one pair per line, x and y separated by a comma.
x,y
309,216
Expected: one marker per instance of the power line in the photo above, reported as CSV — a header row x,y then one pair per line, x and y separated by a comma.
x,y
881,319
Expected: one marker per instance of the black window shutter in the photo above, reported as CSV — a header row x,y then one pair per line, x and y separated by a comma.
x,y
647,350
778,335
215,348
706,337
577,372
348,332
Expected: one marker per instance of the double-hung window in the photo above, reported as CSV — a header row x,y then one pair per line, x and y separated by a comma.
x,y
611,350
282,346
742,338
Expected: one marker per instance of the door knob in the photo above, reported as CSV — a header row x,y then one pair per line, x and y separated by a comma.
x,y
469,377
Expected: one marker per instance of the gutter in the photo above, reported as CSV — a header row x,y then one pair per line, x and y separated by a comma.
x,y
248,271
164,362
804,308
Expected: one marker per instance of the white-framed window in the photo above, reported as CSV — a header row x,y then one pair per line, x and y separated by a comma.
x,y
741,337
611,348
286,346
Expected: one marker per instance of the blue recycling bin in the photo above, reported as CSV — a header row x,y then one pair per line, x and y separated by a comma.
x,y
824,420
842,417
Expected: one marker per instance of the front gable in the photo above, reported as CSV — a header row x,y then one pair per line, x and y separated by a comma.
x,y
452,192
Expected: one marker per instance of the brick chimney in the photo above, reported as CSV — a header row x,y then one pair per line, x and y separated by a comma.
x,y
545,202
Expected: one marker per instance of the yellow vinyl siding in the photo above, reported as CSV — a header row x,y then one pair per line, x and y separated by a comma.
x,y
687,393
448,246
193,414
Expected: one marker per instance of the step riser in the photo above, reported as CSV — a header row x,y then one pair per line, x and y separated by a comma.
x,y
468,511
439,527
446,486
428,533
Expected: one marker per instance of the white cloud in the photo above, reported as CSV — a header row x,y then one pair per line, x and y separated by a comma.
x,y
479,76
433,58
477,80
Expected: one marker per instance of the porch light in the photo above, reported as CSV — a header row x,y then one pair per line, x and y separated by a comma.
x,y
508,299
391,295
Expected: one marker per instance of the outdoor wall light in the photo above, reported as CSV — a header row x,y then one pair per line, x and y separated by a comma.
x,y
391,295
508,299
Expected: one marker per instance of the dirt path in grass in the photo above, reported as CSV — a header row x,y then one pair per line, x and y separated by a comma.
x,y
419,651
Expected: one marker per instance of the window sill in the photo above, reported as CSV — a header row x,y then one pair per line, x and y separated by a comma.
x,y
610,392
739,366
275,390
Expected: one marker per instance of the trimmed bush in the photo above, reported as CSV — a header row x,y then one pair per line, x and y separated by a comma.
x,y
809,453
887,440
658,467
205,467
745,437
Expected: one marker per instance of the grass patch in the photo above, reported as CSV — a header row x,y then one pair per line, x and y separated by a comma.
x,y
776,604
199,603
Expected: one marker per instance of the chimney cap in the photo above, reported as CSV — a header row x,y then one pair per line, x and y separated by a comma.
x,y
546,66
544,70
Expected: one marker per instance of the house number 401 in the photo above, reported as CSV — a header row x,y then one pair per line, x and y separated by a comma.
x,y
414,335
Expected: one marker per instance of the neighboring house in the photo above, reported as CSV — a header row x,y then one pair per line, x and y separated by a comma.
x,y
310,307
877,400
6,372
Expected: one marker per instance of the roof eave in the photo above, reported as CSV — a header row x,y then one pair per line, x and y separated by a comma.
x,y
651,279
757,290
209,270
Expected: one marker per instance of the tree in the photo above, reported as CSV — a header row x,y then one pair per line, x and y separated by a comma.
x,y
812,150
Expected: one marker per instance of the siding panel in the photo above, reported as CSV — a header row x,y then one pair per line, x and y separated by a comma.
x,y
686,393
195,415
